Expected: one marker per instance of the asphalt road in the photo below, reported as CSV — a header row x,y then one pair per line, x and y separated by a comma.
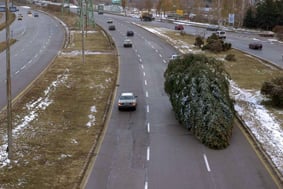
x,y
147,148
39,40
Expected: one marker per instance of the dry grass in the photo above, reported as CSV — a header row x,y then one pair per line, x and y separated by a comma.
x,y
51,149
12,17
3,44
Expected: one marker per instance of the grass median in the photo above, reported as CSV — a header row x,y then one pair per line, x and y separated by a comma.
x,y
61,116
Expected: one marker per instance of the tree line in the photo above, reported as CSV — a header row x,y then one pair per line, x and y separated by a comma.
x,y
265,15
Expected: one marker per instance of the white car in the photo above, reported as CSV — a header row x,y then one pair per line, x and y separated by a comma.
x,y
127,43
127,101
174,56
109,21
221,34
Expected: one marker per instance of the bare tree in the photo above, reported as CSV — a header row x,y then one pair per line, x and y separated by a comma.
x,y
148,5
124,4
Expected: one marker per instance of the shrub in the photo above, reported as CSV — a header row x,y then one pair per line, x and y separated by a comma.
x,y
274,90
215,44
227,46
230,57
199,41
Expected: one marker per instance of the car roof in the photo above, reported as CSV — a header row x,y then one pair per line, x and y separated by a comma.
x,y
127,94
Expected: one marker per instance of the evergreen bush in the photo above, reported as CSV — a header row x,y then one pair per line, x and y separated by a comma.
x,y
274,90
215,44
199,41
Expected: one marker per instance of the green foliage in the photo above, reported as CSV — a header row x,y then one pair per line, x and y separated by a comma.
x,y
216,45
199,41
230,57
274,90
249,20
266,15
199,93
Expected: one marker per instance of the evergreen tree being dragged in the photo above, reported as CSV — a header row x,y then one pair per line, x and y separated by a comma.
x,y
198,88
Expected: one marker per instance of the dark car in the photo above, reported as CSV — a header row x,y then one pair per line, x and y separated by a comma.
x,y
257,46
35,14
179,27
112,27
130,33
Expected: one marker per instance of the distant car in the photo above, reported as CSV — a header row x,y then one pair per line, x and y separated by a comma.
x,y
221,34
179,27
35,14
109,21
174,56
112,27
255,45
127,101
127,43
212,28
130,33
29,12
20,17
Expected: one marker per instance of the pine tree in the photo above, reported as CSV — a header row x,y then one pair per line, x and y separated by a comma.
x,y
198,90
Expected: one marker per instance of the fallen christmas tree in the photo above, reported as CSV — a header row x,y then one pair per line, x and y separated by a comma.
x,y
198,88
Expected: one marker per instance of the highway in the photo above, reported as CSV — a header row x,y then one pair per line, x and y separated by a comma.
x,y
38,41
147,148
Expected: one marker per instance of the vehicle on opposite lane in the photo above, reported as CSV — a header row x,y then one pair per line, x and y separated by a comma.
x,y
179,27
255,45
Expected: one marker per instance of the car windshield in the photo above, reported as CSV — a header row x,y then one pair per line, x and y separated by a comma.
x,y
126,97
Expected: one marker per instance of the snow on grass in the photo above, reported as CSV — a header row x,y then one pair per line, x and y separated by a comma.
x,y
34,107
261,123
76,53
257,118
91,117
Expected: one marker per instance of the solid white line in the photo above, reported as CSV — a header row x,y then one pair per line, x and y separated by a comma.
x,y
145,82
148,153
145,185
146,94
206,163
148,127
147,108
